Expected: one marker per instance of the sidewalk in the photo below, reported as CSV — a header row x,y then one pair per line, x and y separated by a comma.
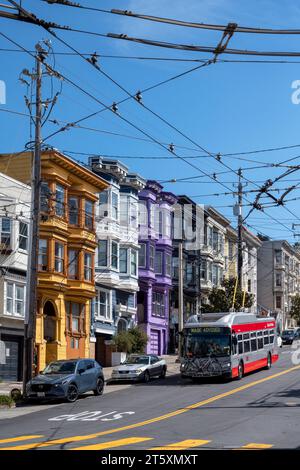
x,y
172,368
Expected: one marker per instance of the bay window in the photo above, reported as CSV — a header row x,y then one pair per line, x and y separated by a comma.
x,y
168,265
60,200
88,268
158,262
102,252
6,229
43,255
88,214
151,256
73,210
114,206
59,261
133,270
114,255
123,260
103,304
73,256
142,255
23,236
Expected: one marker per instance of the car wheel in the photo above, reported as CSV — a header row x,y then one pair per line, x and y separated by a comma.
x,y
240,371
269,362
146,377
163,373
72,393
99,387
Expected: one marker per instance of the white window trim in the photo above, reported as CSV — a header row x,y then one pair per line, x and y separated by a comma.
x,y
137,263
128,258
12,232
22,250
113,268
14,313
97,315
111,192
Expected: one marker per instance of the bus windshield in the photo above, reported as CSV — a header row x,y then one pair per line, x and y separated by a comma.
x,y
205,344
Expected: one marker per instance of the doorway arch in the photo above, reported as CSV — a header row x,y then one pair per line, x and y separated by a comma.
x,y
50,319
122,325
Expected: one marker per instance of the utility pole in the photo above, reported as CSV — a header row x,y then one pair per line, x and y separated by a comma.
x,y
180,296
240,231
30,318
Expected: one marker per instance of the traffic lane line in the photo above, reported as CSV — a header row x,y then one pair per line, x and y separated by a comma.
x,y
21,438
182,445
70,439
112,444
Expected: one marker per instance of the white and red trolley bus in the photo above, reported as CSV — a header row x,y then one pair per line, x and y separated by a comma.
x,y
228,345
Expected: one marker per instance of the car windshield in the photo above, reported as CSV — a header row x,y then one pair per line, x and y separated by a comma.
x,y
288,332
60,368
137,360
205,345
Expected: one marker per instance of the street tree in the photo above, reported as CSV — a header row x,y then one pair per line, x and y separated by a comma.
x,y
221,298
295,309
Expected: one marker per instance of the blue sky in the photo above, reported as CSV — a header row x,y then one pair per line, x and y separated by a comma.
x,y
225,107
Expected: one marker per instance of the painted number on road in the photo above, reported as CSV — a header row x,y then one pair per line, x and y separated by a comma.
x,y
93,416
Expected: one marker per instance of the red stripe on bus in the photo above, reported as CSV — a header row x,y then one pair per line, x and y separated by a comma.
x,y
253,326
254,365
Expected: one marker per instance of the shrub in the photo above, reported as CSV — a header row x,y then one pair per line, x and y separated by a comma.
x,y
6,400
133,340
123,342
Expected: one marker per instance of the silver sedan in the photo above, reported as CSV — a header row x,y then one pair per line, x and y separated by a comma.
x,y
140,367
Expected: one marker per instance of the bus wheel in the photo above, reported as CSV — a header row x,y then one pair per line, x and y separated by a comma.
x,y
269,362
240,371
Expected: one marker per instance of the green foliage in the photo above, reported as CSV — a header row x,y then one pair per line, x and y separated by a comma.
x,y
6,400
295,309
131,341
221,300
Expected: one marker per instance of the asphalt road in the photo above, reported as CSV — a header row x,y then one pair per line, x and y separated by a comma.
x,y
260,411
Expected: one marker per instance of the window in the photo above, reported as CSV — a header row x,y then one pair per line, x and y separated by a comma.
x,y
158,305
249,285
215,240
59,257
23,236
151,256
15,299
175,266
74,343
215,275
266,337
45,196
60,200
278,280
43,255
253,342
19,299
142,255
114,255
103,304
278,257
73,210
240,344
249,258
260,340
123,260
103,204
158,262
114,206
88,214
278,301
73,264
75,317
5,233
88,268
189,274
271,336
246,338
133,263
133,214
143,213
102,252
9,297
167,225
168,265
203,269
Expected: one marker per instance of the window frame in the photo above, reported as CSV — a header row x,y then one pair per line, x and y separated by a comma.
x,y
59,259
114,257
43,255
108,304
23,236
88,267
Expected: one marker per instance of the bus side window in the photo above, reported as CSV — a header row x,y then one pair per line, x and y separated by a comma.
x,y
271,336
260,340
266,337
240,344
253,342
246,342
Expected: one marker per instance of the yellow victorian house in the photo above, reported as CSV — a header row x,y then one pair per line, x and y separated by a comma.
x,y
67,243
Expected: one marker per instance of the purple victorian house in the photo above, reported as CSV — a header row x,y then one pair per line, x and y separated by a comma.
x,y
155,265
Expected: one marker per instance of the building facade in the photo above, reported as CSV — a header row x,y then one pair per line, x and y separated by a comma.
x,y
67,243
155,260
278,278
116,268
250,246
15,216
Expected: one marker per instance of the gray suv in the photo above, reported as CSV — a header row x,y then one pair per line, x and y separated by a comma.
x,y
67,379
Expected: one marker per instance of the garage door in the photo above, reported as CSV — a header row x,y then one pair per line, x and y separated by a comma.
x,y
9,371
155,341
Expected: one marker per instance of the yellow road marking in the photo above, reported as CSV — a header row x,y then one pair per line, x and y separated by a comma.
x,y
20,438
187,444
254,445
111,444
70,439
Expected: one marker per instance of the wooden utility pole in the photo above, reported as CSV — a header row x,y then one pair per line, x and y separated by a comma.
x,y
31,304
180,296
